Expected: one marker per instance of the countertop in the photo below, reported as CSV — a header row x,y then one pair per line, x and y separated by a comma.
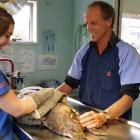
x,y
118,129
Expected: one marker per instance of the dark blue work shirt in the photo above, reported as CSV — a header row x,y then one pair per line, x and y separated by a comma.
x,y
101,76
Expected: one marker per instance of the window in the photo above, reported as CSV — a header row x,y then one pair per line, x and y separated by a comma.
x,y
130,22
26,23
130,30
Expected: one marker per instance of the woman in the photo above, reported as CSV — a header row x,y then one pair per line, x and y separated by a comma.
x,y
9,103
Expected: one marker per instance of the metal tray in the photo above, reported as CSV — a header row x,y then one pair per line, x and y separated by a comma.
x,y
118,129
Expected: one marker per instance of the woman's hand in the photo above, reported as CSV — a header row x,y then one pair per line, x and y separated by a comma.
x,y
93,119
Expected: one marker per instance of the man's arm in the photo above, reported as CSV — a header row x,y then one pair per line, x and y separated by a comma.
x,y
120,107
92,119
130,93
65,88
69,84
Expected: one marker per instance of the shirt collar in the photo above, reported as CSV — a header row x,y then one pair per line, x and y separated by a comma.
x,y
113,40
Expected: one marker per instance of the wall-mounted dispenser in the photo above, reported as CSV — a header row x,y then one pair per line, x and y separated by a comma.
x,y
13,6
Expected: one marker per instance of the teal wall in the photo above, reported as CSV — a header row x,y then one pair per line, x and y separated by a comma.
x,y
57,17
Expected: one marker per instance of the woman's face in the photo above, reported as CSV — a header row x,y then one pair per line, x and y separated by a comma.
x,y
5,39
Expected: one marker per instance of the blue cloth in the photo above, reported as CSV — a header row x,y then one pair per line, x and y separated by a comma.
x,y
101,76
5,120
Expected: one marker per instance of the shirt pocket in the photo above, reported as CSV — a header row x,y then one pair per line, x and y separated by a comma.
x,y
111,81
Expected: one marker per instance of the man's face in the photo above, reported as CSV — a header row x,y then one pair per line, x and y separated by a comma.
x,y
96,25
5,39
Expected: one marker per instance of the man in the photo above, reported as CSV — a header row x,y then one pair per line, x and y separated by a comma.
x,y
107,69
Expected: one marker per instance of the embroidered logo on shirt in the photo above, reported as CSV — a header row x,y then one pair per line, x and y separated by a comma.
x,y
109,73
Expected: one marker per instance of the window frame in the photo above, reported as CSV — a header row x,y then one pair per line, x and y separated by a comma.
x,y
33,38
130,27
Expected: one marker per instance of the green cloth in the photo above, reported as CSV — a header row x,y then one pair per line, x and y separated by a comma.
x,y
45,100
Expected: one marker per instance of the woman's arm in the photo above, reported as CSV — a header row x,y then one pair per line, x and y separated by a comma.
x,y
15,106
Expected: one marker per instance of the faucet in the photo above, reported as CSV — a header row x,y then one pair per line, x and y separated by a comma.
x,y
11,69
18,79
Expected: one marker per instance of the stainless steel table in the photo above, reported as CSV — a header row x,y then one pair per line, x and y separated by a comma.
x,y
118,129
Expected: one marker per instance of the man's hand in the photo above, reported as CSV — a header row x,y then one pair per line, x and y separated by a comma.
x,y
64,88
93,119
